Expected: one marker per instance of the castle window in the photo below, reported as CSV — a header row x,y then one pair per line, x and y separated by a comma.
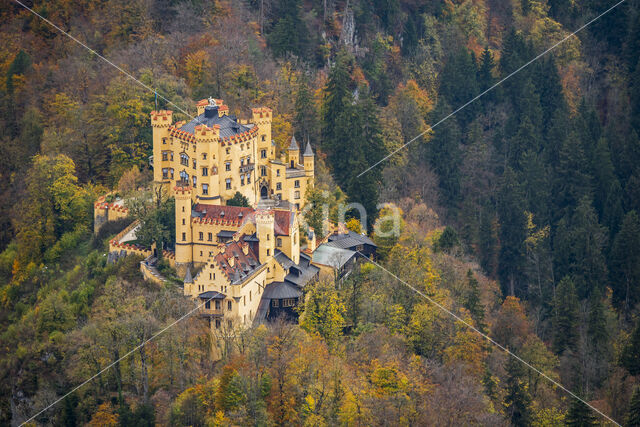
x,y
288,302
268,254
249,296
165,156
200,253
184,237
194,181
244,300
296,183
217,304
201,235
264,137
278,186
263,171
171,173
205,189
297,194
207,305
171,155
183,221
184,159
210,236
165,173
217,323
210,278
204,156
229,305
241,179
278,242
227,166
277,172
242,162
297,206
268,237
205,171
263,154
228,183
248,179
228,150
275,303
164,140
195,166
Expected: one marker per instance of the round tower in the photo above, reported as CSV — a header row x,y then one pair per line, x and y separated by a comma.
x,y
265,222
184,238
160,122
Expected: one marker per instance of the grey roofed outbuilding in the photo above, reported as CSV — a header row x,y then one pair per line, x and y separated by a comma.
x,y
226,233
281,290
351,237
283,259
332,256
211,295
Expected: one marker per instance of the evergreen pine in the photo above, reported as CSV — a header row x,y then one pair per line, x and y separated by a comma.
x,y
633,415
473,302
630,357
625,263
513,232
565,322
305,119
517,399
580,415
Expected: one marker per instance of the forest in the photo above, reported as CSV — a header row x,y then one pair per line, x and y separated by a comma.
x,y
520,211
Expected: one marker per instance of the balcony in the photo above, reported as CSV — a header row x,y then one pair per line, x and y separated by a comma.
x,y
247,168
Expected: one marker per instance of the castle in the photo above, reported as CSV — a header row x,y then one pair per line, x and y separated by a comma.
x,y
248,259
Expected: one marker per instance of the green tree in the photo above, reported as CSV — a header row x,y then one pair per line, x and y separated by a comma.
x,y
323,313
517,398
625,263
633,415
306,116
565,322
580,415
238,200
513,232
473,302
630,357
289,34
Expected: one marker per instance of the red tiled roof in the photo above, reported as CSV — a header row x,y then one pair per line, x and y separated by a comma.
x,y
242,263
230,212
283,220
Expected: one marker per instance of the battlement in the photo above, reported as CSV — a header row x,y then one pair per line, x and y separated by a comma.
x,y
184,191
161,118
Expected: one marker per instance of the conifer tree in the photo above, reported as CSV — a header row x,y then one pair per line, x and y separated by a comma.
x,y
633,415
289,33
486,78
445,157
625,263
597,323
513,232
458,85
517,398
630,357
305,119
473,302
565,322
580,415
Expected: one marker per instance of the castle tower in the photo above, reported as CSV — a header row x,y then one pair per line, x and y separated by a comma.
x,y
262,118
184,238
160,122
309,161
293,153
265,223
